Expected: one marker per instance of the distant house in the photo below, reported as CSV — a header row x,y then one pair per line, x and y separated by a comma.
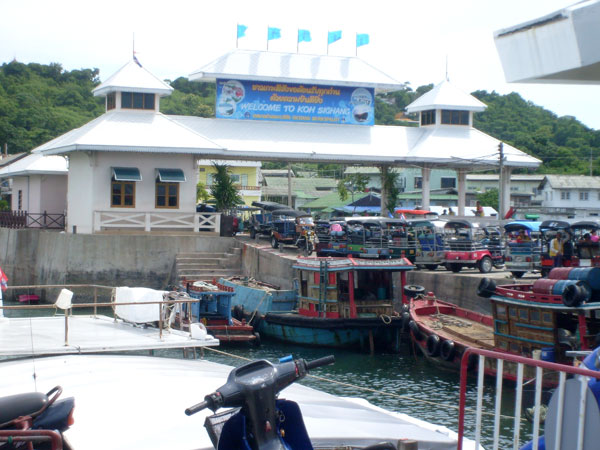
x,y
524,188
304,190
245,175
573,195
330,204
38,184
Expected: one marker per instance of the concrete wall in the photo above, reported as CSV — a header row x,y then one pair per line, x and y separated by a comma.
x,y
37,257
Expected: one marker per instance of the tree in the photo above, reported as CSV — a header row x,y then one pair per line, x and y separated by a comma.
x,y
202,194
489,198
390,184
223,189
352,183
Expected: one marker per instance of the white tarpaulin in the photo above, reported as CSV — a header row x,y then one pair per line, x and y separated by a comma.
x,y
138,313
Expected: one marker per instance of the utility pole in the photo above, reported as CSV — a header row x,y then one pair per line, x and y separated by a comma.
x,y
591,162
290,185
501,180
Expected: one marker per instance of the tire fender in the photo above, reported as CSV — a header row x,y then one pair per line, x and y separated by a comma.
x,y
415,330
447,350
433,345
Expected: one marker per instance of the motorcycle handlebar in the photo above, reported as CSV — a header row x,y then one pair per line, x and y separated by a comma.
x,y
196,408
326,360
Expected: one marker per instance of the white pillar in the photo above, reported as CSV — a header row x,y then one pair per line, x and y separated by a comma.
x,y
425,186
462,191
504,192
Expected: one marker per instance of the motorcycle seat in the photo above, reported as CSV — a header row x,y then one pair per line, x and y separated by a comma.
x,y
19,405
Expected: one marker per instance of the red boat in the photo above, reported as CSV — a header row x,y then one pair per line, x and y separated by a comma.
x,y
542,320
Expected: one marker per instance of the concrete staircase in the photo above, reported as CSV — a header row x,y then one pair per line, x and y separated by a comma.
x,y
206,266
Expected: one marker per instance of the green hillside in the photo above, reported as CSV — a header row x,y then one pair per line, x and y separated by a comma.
x,y
39,102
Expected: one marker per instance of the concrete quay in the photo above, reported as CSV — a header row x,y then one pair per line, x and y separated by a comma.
x,y
35,257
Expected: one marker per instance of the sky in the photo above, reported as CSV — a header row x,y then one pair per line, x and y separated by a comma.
x,y
414,41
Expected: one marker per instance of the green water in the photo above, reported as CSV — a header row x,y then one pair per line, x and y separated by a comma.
x,y
405,383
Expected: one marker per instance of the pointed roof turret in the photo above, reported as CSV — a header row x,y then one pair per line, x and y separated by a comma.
x,y
446,96
132,77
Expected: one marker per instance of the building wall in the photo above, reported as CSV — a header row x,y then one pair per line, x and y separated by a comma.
x,y
570,198
20,184
252,188
90,184
53,194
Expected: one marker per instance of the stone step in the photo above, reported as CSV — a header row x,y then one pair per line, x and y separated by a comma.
x,y
207,274
202,255
197,266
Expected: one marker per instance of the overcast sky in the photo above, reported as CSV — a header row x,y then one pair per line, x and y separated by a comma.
x,y
410,40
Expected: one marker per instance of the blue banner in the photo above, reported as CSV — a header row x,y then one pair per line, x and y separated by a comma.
x,y
261,100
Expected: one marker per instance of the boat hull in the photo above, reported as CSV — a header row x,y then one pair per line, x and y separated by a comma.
x,y
359,333
260,300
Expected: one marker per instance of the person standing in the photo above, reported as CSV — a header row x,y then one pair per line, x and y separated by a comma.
x,y
556,249
594,236
3,287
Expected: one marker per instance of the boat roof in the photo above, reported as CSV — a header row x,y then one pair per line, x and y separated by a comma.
x,y
25,336
344,264
128,395
555,306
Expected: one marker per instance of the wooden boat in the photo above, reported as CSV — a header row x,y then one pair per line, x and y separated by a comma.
x,y
541,320
253,296
343,302
212,307
442,330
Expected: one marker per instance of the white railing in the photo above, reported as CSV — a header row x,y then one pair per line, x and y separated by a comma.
x,y
568,419
153,221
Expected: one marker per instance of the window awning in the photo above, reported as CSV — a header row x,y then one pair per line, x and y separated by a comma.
x,y
126,174
170,175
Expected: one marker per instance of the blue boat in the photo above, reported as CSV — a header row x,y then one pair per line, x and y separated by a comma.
x,y
343,302
252,296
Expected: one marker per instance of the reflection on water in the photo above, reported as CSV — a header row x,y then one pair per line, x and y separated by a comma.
x,y
402,382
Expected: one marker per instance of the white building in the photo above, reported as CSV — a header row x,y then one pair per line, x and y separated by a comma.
x,y
571,195
39,184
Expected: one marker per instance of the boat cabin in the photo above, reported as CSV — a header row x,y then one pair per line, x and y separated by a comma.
x,y
348,288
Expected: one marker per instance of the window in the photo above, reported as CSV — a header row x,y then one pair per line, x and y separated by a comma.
x,y
111,101
448,182
123,194
20,200
428,117
454,117
123,186
564,195
137,100
167,195
584,196
418,182
236,178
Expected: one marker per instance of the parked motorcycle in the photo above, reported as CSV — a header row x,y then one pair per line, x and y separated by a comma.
x,y
35,418
258,420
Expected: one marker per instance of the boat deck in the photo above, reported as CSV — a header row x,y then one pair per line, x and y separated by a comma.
x,y
467,330
87,334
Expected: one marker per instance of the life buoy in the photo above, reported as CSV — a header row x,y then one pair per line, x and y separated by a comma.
x,y
415,330
447,350
486,288
412,290
432,345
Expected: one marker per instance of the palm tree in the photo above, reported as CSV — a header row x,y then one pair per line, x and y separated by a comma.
x,y
223,190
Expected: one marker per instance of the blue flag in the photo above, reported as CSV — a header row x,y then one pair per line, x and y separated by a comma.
x,y
274,33
362,39
333,36
241,30
304,36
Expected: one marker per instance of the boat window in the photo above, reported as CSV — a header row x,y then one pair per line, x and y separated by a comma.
x,y
512,312
503,344
547,317
523,314
501,311
514,347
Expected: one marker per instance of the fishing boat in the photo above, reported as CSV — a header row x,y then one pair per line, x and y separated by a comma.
x,y
257,297
543,320
212,306
343,302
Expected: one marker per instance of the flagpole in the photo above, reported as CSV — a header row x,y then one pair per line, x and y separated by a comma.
x,y
356,45
268,26
237,34
298,41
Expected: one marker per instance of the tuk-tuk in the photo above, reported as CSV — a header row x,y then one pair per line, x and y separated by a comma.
x,y
261,223
329,244
366,237
401,239
548,230
429,244
523,247
587,249
466,245
293,227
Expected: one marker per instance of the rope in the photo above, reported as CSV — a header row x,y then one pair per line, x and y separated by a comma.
x,y
386,319
258,306
374,391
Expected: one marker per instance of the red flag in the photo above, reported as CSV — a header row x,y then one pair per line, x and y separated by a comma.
x,y
3,280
